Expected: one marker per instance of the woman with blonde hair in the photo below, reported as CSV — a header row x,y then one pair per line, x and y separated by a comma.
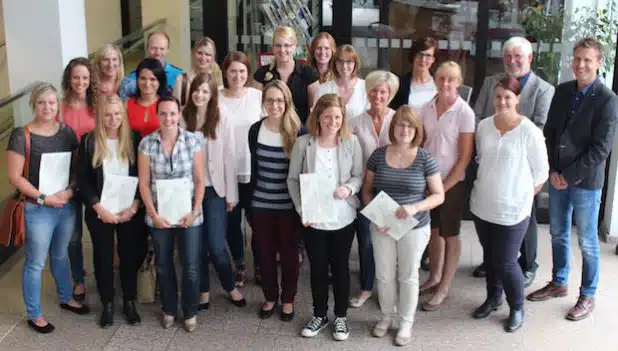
x,y
271,210
410,176
202,61
108,68
49,217
211,123
329,149
347,84
109,151
449,129
300,78
372,128
321,51
80,95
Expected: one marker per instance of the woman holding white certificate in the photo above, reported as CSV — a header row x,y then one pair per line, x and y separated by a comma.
x,y
331,151
410,176
49,213
171,182
211,124
107,162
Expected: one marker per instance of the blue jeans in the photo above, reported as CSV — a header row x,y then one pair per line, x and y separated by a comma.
x,y
48,230
189,242
365,253
214,242
584,204
76,252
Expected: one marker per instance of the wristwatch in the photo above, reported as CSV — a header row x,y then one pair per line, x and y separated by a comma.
x,y
41,199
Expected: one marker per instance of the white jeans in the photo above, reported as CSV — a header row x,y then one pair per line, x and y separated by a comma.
x,y
404,254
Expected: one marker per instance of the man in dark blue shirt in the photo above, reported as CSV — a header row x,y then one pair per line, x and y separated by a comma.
x,y
579,133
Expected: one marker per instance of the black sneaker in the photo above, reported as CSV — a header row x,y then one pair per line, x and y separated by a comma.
x,y
341,331
315,325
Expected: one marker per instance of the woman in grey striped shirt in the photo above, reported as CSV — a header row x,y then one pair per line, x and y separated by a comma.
x,y
410,176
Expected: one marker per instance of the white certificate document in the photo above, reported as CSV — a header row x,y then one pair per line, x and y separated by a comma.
x,y
174,198
54,172
118,192
317,198
381,211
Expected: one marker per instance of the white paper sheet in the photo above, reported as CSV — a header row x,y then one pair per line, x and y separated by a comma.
x,y
118,192
54,172
381,211
317,193
174,198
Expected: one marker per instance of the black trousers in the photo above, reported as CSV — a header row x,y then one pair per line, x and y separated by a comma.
x,y
132,245
500,249
329,248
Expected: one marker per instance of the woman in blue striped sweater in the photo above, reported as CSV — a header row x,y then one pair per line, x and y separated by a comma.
x,y
271,210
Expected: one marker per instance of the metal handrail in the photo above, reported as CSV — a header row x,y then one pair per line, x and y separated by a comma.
x,y
138,34
25,90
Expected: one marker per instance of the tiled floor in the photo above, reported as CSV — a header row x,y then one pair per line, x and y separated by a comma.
x,y
225,327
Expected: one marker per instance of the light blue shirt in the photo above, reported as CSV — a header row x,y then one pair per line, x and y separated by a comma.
x,y
128,85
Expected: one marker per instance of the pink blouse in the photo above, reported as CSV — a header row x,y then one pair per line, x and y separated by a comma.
x,y
79,119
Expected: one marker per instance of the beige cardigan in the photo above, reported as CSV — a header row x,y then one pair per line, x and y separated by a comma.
x,y
350,162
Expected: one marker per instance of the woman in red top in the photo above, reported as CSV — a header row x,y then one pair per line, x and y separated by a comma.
x,y
108,68
77,111
151,85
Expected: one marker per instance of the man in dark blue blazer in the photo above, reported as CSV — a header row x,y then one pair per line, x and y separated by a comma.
x,y
579,134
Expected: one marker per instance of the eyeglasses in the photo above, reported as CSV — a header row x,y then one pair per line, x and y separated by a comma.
x,y
283,46
274,101
424,56
345,62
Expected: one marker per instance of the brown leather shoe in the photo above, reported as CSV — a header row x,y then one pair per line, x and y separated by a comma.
x,y
582,309
549,291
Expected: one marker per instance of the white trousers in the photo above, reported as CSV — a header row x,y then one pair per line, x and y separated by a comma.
x,y
399,260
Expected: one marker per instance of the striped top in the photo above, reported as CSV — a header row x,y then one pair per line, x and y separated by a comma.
x,y
271,188
404,185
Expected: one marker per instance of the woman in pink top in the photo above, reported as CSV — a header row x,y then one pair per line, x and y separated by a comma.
x,y
372,128
449,131
77,111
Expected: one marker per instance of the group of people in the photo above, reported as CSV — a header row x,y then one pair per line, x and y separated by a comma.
x,y
241,139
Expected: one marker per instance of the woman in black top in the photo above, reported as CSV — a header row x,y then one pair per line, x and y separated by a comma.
x,y
300,78
109,151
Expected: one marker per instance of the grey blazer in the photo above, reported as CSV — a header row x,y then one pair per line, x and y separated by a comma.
x,y
350,162
535,99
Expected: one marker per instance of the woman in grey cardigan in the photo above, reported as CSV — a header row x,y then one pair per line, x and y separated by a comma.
x,y
329,149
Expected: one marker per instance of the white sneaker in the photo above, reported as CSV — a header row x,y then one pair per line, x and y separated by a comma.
x,y
404,334
191,324
167,321
341,330
382,327
315,325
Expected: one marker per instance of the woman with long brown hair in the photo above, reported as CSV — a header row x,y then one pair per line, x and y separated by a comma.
x,y
203,116
321,53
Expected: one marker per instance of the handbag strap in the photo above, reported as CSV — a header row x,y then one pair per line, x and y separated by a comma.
x,y
27,160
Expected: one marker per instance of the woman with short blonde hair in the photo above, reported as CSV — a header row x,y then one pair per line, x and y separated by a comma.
x,y
346,65
329,149
410,176
300,78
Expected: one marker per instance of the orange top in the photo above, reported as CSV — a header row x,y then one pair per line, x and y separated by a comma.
x,y
142,119
79,119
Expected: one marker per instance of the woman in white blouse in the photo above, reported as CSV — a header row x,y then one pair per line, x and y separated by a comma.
x,y
346,65
244,106
513,167
331,150
211,124
372,128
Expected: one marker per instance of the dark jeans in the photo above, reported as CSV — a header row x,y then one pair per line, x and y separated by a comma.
x,y
365,253
76,252
528,249
130,245
500,249
214,246
275,231
190,249
235,237
329,248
